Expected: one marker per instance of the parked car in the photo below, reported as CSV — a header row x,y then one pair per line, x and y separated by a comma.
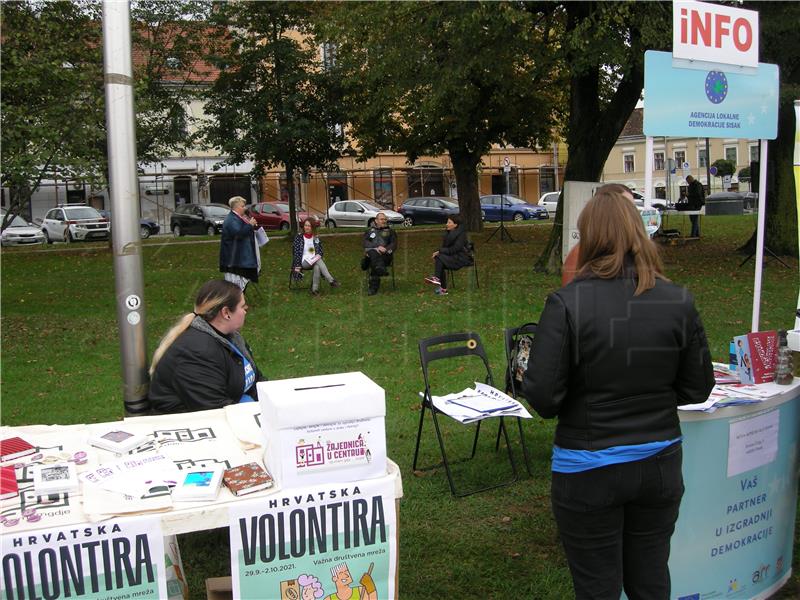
x,y
147,227
19,232
549,201
511,208
75,222
428,209
201,219
358,213
275,215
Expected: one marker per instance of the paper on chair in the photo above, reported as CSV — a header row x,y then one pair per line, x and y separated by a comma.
x,y
484,401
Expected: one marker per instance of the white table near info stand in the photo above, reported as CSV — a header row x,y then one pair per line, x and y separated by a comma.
x,y
667,234
184,517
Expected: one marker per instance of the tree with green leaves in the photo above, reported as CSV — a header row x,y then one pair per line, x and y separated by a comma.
x,y
53,106
724,167
273,103
428,78
603,50
52,114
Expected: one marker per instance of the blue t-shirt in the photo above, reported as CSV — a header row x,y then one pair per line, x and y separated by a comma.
x,y
576,461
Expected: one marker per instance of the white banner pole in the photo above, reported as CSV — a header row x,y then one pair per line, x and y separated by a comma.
x,y
648,171
762,203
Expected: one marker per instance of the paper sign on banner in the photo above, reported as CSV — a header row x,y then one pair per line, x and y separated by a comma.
x,y
753,442
319,540
114,559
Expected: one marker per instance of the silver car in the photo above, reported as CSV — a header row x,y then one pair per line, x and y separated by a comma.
x,y
19,232
358,213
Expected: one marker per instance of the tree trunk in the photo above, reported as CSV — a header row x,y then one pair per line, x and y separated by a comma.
x,y
292,204
592,128
465,166
780,227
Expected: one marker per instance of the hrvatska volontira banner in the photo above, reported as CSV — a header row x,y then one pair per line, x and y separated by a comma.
x,y
112,560
327,541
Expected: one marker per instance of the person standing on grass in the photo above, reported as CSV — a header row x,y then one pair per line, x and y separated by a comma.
x,y
454,254
203,362
380,242
307,255
238,251
616,352
695,199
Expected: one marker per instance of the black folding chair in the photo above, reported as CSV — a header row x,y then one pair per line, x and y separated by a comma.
x,y
451,346
297,284
451,273
512,335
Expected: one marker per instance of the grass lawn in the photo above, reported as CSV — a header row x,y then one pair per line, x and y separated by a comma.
x,y
60,364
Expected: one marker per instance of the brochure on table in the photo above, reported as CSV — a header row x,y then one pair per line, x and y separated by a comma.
x,y
323,428
315,542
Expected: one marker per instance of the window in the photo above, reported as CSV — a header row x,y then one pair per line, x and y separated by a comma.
x,y
731,154
680,158
628,165
702,161
754,153
382,187
658,161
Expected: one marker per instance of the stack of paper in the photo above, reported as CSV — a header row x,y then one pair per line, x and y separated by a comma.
x,y
473,405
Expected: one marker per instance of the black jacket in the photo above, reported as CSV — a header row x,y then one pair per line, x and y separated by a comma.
x,y
614,367
199,371
454,252
380,236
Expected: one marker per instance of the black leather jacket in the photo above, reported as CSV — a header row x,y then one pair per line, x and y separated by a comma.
x,y
614,367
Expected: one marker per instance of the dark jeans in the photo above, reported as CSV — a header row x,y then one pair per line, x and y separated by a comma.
x,y
440,272
616,523
695,219
378,263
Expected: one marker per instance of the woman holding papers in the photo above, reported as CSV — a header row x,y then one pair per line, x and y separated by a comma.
x,y
616,352
239,257
307,255
203,362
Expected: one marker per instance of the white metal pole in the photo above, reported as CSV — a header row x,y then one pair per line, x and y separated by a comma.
x,y
648,171
762,202
124,192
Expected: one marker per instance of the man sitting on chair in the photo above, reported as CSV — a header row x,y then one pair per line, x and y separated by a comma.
x,y
380,242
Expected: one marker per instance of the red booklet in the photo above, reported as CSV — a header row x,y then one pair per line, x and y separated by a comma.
x,y
8,483
13,448
756,355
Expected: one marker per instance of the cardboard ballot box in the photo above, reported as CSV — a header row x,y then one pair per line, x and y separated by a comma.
x,y
327,428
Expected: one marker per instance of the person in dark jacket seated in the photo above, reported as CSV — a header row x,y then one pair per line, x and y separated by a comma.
x,y
380,242
239,256
203,362
454,254
616,352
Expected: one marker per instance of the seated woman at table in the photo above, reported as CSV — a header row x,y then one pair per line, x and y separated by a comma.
x,y
203,362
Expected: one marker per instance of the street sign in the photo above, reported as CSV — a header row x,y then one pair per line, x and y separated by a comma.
x,y
713,171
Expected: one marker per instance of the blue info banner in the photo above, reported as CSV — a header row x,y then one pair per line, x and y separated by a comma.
x,y
711,102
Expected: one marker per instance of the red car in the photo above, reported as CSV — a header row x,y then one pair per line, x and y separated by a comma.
x,y
275,215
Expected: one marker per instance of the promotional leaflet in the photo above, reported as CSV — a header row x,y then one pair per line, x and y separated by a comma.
x,y
317,541
121,558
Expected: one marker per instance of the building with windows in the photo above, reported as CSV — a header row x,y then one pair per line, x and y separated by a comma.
x,y
674,159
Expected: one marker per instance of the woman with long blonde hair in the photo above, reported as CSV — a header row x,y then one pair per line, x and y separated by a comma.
x,y
617,350
203,362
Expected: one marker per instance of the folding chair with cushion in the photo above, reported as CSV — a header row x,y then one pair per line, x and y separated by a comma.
x,y
516,363
451,273
452,346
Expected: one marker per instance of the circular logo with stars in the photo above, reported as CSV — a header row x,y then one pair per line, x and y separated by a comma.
x,y
716,86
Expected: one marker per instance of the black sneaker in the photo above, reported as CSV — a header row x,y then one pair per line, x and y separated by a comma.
x,y
335,283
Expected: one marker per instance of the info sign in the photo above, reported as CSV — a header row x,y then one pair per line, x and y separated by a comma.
x,y
714,33
111,560
317,542
709,103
